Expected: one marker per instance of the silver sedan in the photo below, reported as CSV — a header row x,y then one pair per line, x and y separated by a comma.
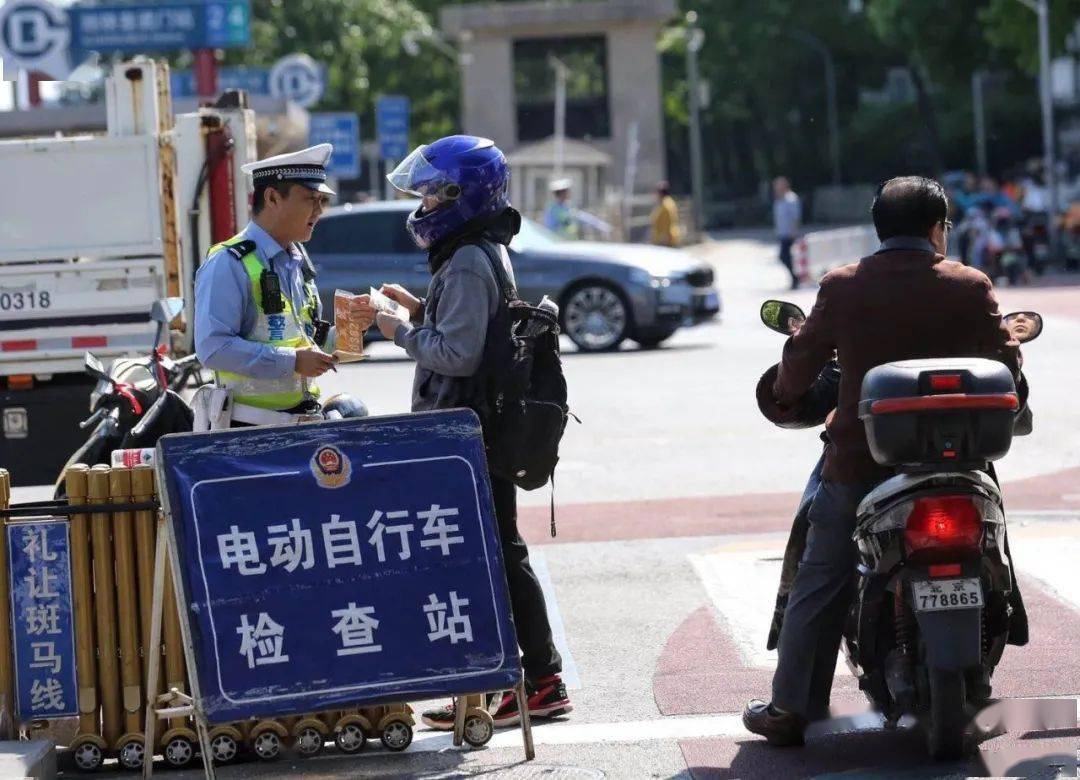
x,y
606,292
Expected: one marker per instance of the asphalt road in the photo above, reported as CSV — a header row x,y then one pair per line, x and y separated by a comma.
x,y
672,501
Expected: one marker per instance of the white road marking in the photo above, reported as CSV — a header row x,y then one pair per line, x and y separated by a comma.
x,y
1048,555
570,676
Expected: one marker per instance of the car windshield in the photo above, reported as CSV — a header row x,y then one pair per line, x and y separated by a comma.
x,y
533,236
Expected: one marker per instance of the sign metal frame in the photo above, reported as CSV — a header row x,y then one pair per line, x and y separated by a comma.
x,y
176,704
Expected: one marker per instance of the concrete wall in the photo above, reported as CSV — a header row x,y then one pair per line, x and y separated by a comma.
x,y
487,91
486,34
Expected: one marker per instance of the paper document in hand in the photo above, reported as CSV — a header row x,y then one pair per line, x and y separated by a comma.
x,y
350,336
381,302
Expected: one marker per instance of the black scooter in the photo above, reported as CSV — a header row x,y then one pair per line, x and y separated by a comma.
x,y
137,401
935,593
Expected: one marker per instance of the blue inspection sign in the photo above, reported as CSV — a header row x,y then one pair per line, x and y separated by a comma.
x,y
392,126
163,26
41,618
341,129
254,81
327,565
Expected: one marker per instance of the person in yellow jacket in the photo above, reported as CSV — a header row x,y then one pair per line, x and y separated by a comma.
x,y
666,230
258,315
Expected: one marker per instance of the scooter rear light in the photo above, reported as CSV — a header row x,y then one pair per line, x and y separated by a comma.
x,y
943,523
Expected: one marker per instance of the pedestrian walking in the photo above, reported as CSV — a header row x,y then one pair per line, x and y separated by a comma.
x,y
787,221
666,230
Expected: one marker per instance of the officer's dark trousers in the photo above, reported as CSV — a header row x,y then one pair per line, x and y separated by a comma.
x,y
818,604
538,654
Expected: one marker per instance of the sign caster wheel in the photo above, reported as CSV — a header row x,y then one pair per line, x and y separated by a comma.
x,y
132,754
88,756
350,738
397,735
179,752
223,748
267,746
309,742
479,728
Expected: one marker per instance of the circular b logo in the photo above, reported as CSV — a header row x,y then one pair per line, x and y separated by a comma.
x,y
33,33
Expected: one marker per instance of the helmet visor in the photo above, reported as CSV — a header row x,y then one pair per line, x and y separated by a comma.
x,y
415,175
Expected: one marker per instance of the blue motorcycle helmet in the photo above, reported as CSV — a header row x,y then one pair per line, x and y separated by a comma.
x,y
459,179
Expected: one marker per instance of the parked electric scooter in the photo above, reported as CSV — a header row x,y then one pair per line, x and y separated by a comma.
x,y
934,582
137,401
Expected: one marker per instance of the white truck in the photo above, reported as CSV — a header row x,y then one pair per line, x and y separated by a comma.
x,y
93,229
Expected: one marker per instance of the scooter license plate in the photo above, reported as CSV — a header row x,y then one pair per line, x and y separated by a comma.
x,y
935,595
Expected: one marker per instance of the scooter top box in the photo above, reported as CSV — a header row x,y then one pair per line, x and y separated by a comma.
x,y
938,412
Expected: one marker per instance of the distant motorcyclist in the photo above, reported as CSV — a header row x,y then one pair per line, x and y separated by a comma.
x,y
903,302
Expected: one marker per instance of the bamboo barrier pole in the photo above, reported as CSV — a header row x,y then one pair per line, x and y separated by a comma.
x,y
175,667
82,590
105,607
142,489
127,606
7,679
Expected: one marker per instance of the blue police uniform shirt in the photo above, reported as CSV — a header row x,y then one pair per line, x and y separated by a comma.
x,y
226,313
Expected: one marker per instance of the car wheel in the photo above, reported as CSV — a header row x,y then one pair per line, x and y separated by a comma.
x,y
595,317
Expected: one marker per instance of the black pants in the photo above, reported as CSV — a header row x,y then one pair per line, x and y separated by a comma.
x,y
539,657
788,260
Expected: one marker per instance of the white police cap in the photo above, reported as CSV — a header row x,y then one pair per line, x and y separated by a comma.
x,y
307,167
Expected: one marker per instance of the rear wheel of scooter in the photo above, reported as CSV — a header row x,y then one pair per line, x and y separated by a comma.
x,y
948,716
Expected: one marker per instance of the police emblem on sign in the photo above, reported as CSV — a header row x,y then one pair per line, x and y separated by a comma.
x,y
331,467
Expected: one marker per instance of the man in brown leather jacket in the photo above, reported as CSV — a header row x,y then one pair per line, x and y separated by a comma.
x,y
903,302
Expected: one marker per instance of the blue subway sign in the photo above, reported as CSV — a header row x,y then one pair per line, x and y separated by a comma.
x,y
164,26
41,617
333,564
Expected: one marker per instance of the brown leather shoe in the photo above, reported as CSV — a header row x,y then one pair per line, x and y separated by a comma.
x,y
781,729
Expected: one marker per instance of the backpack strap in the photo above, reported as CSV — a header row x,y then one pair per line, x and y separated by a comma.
x,y
509,292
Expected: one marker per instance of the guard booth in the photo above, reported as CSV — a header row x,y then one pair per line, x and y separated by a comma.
x,y
300,584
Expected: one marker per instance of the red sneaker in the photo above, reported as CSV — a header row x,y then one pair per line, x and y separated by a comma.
x,y
547,699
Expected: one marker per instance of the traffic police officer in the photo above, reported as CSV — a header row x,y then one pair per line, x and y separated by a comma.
x,y
257,310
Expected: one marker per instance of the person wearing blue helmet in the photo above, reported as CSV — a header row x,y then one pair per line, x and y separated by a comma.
x,y
465,222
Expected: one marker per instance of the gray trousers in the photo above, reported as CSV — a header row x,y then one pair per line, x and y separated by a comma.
x,y
818,604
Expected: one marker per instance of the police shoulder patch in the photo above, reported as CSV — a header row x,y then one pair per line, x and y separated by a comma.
x,y
331,467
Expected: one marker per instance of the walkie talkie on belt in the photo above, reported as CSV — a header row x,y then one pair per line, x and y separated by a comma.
x,y
270,285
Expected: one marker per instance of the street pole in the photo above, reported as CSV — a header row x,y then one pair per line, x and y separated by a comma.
x,y
694,40
560,113
1042,10
980,120
206,73
830,97
1049,161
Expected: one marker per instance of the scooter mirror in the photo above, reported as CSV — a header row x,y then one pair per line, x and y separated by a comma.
x,y
94,366
166,310
783,317
1024,325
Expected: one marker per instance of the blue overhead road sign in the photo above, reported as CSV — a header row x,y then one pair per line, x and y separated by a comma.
x,y
298,78
327,565
343,131
254,81
392,126
165,26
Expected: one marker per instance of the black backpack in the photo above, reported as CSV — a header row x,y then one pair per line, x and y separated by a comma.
x,y
520,390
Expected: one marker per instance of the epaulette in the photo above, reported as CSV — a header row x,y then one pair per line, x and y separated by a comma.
x,y
241,250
